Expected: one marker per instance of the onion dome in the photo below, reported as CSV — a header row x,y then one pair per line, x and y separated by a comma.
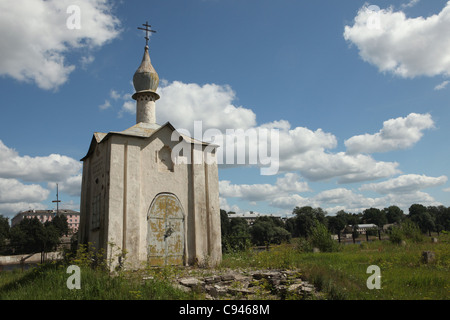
x,y
145,79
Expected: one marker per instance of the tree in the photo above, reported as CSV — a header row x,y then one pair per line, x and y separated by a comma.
x,y
61,225
441,216
267,230
4,232
238,235
31,236
394,214
305,217
337,223
375,216
224,222
425,221
420,215
289,225
416,209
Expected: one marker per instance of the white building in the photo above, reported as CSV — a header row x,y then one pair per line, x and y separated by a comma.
x,y
137,198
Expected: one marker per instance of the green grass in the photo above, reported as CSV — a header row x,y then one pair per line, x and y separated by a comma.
x,y
339,275
342,275
48,282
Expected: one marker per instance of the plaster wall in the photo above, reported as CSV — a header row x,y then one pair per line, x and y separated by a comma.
x,y
134,173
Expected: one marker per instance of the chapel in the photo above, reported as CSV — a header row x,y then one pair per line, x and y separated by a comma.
x,y
144,200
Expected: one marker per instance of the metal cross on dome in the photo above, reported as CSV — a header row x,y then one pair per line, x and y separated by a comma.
x,y
147,29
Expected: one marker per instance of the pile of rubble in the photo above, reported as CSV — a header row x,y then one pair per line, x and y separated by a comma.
x,y
251,284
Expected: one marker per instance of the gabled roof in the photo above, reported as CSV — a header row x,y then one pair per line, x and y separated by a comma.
x,y
140,130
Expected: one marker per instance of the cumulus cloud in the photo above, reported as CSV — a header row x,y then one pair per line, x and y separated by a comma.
x,y
16,196
405,184
16,171
54,167
406,47
309,152
442,85
11,208
289,183
289,202
211,103
402,192
12,190
331,200
334,200
34,49
400,133
225,206
71,185
105,106
410,4
299,148
318,165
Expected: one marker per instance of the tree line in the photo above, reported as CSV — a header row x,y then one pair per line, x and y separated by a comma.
x,y
315,225
31,235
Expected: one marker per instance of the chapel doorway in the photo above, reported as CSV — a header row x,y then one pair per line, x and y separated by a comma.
x,y
165,237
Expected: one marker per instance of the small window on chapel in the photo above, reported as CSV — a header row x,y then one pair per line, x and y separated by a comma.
x,y
165,162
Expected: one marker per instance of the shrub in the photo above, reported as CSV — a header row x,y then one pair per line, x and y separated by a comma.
x,y
396,235
407,230
321,238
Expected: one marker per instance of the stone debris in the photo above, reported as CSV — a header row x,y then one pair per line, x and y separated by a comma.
x,y
249,284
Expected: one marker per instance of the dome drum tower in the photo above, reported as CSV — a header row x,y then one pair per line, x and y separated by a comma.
x,y
145,81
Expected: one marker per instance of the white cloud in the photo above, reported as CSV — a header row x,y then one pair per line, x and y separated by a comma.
x,y
225,206
307,151
12,190
127,107
54,167
406,47
184,103
105,106
334,200
442,85
289,183
300,149
16,196
284,194
70,186
86,61
400,133
289,202
12,208
115,95
410,4
35,39
16,170
405,184
318,165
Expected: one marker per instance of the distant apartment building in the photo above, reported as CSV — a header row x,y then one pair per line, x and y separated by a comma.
x,y
73,217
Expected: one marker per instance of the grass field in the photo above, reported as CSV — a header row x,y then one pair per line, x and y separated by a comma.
x,y
343,274
339,275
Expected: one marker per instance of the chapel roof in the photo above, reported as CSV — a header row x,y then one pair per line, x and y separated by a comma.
x,y
139,130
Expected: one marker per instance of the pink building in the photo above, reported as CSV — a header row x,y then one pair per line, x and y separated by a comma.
x,y
73,217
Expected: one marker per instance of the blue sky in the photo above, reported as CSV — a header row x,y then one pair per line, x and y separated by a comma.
x,y
359,92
